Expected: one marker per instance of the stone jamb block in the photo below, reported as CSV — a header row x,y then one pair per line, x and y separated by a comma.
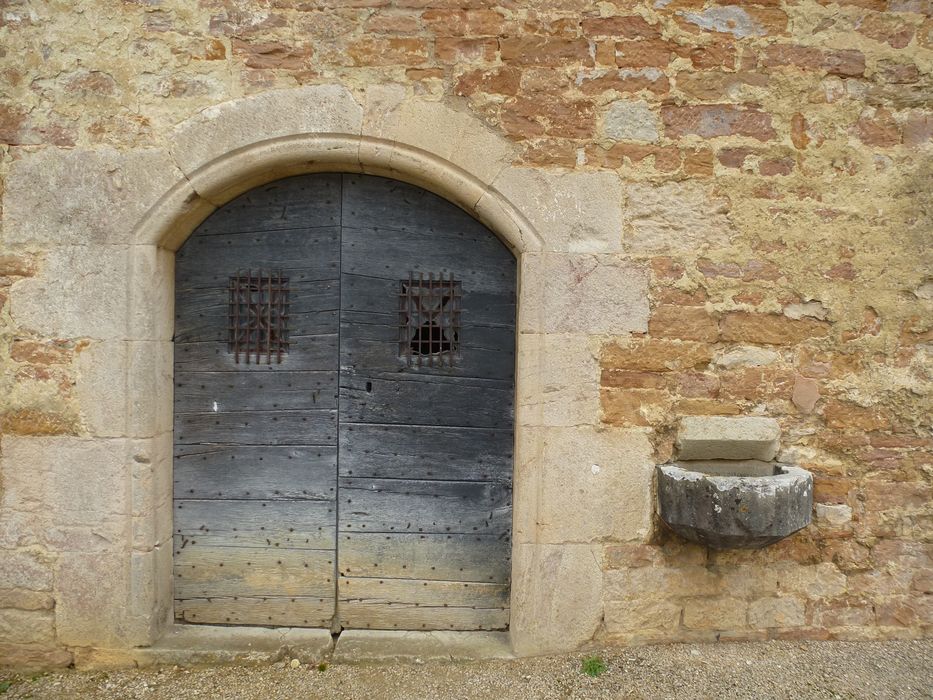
x,y
557,597
590,294
595,485
575,212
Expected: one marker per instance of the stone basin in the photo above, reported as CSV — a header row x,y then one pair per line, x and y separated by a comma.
x,y
726,504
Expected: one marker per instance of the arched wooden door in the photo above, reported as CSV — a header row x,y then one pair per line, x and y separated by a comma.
x,y
344,361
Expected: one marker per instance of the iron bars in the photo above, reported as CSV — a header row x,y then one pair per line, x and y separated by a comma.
x,y
258,316
429,320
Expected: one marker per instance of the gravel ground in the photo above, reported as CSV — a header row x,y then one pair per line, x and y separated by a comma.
x,y
901,670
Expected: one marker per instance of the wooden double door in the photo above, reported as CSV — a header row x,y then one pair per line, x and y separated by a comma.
x,y
344,359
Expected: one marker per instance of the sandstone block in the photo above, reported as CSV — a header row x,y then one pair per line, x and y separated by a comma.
x,y
558,380
232,125
91,594
776,612
627,616
454,135
773,329
631,120
596,294
80,293
720,437
24,657
710,121
683,323
656,355
557,602
27,626
26,569
76,197
662,582
674,216
813,581
578,212
715,613
595,484
24,599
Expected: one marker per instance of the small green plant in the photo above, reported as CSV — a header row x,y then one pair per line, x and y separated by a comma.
x,y
322,666
594,666
5,686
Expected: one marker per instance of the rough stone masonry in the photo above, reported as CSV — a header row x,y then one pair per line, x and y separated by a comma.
x,y
735,206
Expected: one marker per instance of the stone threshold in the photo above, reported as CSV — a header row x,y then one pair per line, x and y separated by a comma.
x,y
189,645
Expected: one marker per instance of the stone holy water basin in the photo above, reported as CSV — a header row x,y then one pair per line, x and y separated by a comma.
x,y
729,504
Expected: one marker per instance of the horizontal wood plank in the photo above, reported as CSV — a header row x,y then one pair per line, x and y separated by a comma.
x,y
294,202
269,611
478,558
204,314
259,472
385,603
425,452
315,353
301,524
425,400
206,572
257,428
199,392
381,202
445,507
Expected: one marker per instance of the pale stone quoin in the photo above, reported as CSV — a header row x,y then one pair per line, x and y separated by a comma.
x,y
721,254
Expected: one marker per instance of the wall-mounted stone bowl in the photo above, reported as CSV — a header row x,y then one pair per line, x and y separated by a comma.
x,y
727,504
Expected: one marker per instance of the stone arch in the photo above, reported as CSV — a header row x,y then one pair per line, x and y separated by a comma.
x,y
229,149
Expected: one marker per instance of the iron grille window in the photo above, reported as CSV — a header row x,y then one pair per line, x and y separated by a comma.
x,y
258,316
429,320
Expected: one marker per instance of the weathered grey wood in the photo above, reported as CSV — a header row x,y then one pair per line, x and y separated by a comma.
x,y
257,428
385,603
403,505
315,352
284,524
295,202
374,300
205,572
479,558
426,400
371,346
424,495
478,265
374,201
425,452
267,611
204,314
199,392
431,593
302,256
263,472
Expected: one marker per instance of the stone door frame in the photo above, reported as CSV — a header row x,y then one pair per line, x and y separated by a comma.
x,y
567,261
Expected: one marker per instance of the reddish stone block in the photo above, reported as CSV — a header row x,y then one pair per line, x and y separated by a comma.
x,y
877,127
544,51
456,22
389,51
656,355
683,323
272,55
710,121
458,50
639,54
624,27
501,81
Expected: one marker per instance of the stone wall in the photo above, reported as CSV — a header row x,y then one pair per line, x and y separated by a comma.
x,y
732,214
